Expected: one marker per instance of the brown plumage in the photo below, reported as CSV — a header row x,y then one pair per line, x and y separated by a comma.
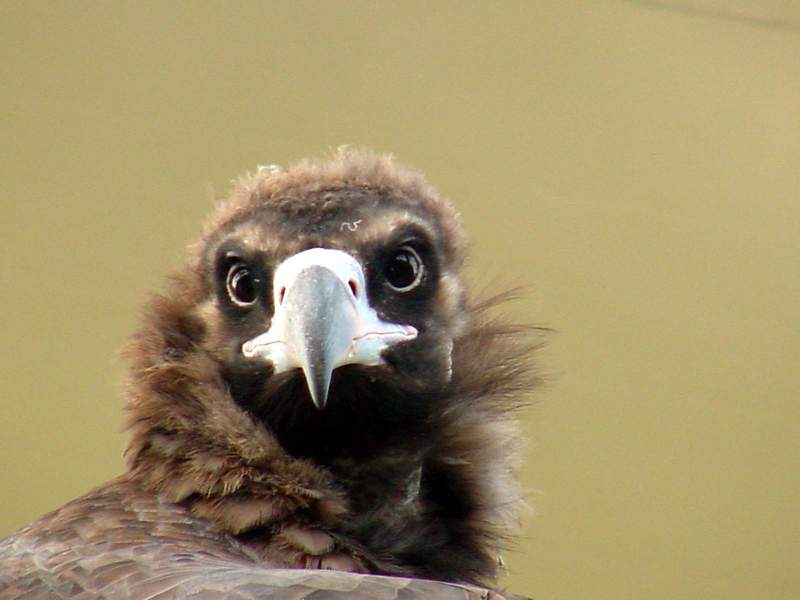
x,y
253,463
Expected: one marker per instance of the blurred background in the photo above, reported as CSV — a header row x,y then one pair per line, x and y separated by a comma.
x,y
634,165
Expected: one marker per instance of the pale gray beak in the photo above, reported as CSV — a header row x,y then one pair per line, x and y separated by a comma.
x,y
323,320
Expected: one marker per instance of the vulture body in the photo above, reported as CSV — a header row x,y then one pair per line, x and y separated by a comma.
x,y
316,410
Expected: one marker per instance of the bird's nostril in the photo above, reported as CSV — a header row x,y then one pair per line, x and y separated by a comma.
x,y
353,288
281,294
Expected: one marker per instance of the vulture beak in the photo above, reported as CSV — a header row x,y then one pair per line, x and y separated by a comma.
x,y
323,320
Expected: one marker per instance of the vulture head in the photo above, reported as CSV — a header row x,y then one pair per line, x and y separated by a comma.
x,y
318,383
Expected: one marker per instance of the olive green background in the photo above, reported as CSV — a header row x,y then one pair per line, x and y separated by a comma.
x,y
634,165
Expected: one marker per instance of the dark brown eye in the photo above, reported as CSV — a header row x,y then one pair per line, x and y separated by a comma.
x,y
404,269
241,285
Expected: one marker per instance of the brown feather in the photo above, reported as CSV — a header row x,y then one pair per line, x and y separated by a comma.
x,y
213,502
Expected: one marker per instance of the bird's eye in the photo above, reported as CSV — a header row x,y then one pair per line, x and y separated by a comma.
x,y
404,269
241,285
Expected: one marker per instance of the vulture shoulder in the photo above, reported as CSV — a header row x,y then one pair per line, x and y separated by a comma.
x,y
120,542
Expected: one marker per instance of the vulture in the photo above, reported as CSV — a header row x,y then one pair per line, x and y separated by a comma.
x,y
317,408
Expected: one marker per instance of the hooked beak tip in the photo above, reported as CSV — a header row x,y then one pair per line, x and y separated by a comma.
x,y
319,402
319,383
318,396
